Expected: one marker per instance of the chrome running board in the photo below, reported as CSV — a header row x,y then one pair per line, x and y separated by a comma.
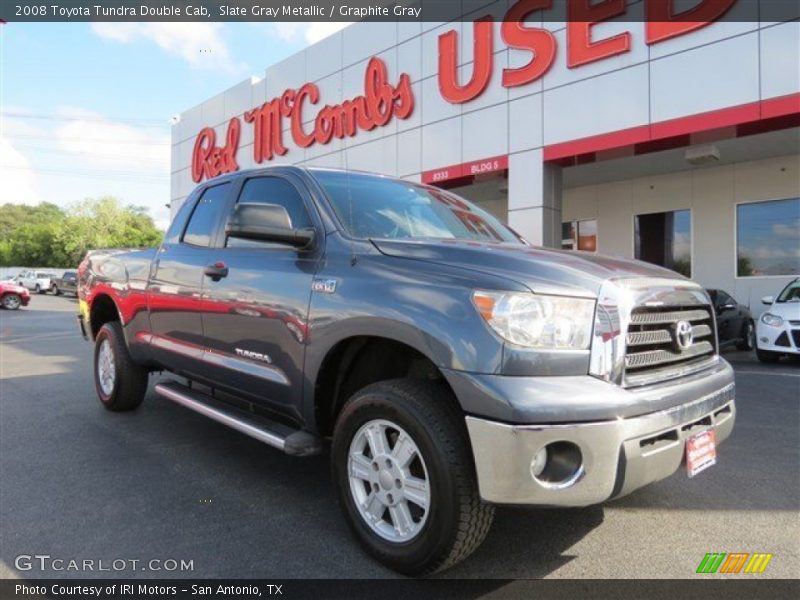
x,y
290,441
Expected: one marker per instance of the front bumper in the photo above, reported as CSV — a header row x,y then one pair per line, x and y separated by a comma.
x,y
618,456
784,339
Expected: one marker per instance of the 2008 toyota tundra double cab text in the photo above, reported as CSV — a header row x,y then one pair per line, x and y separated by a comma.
x,y
452,365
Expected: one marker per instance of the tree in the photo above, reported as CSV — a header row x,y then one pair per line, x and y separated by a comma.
x,y
14,215
45,235
37,244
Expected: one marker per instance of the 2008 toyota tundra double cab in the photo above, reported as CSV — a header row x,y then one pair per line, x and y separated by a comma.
x,y
453,365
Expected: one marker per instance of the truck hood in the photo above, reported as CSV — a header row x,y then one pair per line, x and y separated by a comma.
x,y
540,269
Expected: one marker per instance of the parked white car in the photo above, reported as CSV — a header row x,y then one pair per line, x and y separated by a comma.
x,y
37,281
778,327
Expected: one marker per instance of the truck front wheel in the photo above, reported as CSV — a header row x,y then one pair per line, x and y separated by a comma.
x,y
403,469
121,384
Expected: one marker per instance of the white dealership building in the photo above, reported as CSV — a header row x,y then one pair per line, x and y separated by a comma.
x,y
677,143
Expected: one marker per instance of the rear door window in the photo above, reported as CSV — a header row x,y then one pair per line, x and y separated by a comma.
x,y
173,234
206,216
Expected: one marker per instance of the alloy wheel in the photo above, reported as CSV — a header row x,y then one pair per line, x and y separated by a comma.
x,y
106,368
389,481
11,301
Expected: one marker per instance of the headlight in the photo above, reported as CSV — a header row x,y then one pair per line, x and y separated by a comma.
x,y
538,321
771,320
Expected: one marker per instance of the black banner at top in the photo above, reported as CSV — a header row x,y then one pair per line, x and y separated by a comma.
x,y
554,11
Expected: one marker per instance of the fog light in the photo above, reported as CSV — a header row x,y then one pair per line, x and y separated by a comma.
x,y
558,465
539,461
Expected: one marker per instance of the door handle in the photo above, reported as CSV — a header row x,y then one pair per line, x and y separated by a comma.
x,y
216,271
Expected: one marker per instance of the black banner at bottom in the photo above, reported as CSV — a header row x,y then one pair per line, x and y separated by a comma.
x,y
349,589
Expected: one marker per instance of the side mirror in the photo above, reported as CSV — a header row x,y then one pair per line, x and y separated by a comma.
x,y
768,300
266,223
728,306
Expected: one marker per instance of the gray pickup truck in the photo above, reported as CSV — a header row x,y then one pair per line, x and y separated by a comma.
x,y
452,365
68,282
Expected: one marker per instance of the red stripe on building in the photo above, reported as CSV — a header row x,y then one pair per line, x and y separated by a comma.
x,y
781,106
715,119
468,169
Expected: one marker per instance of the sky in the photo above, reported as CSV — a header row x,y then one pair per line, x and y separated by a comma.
x,y
85,107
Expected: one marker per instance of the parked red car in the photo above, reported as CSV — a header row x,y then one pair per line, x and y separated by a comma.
x,y
12,296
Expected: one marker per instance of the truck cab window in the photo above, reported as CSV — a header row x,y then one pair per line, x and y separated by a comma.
x,y
173,234
206,216
272,190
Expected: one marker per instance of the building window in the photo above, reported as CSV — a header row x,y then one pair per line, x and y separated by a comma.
x,y
768,238
665,239
580,235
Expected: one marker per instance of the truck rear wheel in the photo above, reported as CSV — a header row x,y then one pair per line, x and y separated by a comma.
x,y
121,384
403,469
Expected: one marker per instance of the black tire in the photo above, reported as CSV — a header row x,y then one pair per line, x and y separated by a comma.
x,y
747,341
130,380
766,356
457,521
55,290
38,289
11,301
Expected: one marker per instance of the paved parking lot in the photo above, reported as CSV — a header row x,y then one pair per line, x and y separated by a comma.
x,y
164,483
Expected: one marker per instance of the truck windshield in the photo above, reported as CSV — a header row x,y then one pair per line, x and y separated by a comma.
x,y
370,206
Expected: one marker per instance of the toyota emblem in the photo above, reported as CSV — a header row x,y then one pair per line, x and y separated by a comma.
x,y
683,334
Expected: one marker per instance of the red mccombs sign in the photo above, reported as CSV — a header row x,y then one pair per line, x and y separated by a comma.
x,y
382,101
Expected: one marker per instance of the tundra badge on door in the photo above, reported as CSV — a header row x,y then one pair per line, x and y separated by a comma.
x,y
254,355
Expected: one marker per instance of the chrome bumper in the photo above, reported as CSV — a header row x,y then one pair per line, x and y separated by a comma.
x,y
618,456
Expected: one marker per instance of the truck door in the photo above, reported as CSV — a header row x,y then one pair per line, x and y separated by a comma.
x,y
256,305
176,276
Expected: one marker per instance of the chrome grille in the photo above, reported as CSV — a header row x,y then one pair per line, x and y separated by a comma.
x,y
672,316
652,344
649,358
662,336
